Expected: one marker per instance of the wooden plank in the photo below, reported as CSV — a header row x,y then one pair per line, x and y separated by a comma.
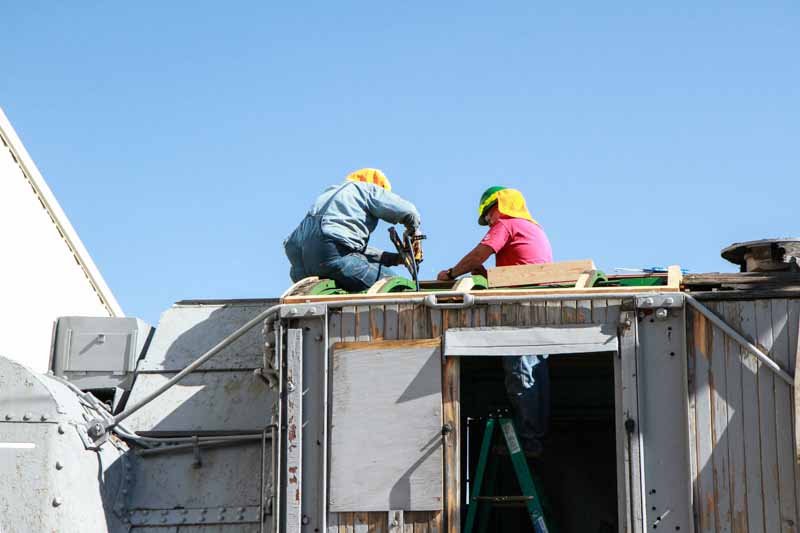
x,y
406,321
717,383
371,391
334,327
538,313
524,317
674,276
362,323
794,350
422,323
421,521
508,314
735,435
332,524
538,274
345,522
584,315
360,522
610,291
553,312
584,278
569,311
376,322
377,522
435,522
706,504
391,321
494,316
613,307
783,418
349,324
751,430
768,429
479,316
387,344
436,322
395,521
451,411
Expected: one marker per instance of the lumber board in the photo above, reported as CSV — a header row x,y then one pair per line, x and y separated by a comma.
x,y
610,291
538,274
701,336
752,443
766,399
735,435
783,418
717,384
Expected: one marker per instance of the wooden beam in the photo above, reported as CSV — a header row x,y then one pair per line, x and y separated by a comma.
x,y
497,292
674,276
584,278
538,274
377,286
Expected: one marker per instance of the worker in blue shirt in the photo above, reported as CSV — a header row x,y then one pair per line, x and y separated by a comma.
x,y
331,241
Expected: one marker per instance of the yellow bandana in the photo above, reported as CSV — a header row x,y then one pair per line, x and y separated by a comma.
x,y
371,175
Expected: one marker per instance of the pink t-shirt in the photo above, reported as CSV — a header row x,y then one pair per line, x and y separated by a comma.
x,y
517,241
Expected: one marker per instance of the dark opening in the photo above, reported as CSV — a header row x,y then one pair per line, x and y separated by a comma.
x,y
577,472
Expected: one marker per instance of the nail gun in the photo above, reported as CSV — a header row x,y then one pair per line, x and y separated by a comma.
x,y
410,250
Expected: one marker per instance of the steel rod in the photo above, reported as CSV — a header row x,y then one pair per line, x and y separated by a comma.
x,y
735,335
191,368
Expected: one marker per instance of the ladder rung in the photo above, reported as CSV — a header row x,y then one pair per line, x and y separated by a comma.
x,y
503,499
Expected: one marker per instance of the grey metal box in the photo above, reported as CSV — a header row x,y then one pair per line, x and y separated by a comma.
x,y
98,352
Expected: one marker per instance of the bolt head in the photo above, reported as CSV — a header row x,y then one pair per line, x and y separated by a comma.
x,y
61,429
43,418
9,417
661,313
59,465
27,416
57,501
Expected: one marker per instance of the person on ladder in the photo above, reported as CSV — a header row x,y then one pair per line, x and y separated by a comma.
x,y
332,240
516,239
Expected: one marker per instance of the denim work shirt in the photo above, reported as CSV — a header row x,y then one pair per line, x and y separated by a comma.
x,y
349,213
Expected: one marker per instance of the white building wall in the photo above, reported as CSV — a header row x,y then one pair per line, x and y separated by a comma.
x,y
45,272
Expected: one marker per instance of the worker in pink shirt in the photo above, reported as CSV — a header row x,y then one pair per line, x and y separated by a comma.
x,y
516,239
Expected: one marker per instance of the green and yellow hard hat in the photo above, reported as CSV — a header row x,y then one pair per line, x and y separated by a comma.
x,y
510,202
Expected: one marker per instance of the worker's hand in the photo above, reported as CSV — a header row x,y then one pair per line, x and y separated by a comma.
x,y
444,276
391,259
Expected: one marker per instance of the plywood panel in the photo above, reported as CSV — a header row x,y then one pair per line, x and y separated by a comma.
x,y
502,341
376,465
519,275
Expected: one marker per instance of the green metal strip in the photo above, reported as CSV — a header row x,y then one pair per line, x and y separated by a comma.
x,y
476,489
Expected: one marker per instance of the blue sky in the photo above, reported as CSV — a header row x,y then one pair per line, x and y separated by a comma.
x,y
186,141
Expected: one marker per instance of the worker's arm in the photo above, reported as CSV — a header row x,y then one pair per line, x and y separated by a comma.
x,y
472,261
393,209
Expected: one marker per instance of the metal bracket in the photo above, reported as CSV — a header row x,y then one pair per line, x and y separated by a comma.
x,y
196,517
655,301
302,310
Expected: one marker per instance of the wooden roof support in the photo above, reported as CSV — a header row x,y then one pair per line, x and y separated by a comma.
x,y
674,276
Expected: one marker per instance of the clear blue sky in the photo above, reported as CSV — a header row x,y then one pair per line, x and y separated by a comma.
x,y
185,140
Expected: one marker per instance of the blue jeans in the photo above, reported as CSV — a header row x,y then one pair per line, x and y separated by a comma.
x,y
528,388
315,254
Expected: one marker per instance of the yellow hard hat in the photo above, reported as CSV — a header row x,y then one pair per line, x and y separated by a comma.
x,y
510,203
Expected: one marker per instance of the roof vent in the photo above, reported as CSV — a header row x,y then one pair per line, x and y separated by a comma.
x,y
767,255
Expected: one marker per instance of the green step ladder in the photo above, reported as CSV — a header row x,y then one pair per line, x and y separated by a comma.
x,y
530,495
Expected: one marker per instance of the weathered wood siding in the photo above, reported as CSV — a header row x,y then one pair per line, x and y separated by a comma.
x,y
741,419
410,321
